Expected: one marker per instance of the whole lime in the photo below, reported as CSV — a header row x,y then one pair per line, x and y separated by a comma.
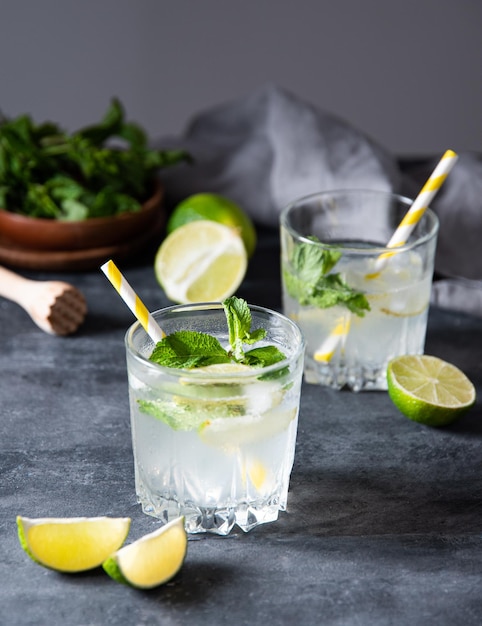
x,y
211,206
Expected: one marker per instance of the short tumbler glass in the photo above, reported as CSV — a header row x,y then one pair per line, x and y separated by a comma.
x,y
217,445
356,309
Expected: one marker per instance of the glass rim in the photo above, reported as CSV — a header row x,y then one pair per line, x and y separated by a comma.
x,y
198,373
373,250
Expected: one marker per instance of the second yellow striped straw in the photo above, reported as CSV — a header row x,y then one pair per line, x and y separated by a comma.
x,y
399,238
418,208
325,353
133,301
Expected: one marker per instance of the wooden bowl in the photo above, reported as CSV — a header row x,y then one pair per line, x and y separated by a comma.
x,y
37,233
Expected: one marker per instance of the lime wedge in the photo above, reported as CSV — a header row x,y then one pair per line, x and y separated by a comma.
x,y
225,368
429,390
151,560
71,544
202,261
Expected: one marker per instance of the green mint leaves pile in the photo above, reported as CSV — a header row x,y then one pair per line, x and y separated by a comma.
x,y
187,349
46,172
311,284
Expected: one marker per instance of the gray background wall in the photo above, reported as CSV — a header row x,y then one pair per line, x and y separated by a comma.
x,y
406,72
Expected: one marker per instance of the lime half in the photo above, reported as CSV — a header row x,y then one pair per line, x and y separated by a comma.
x,y
429,390
71,544
201,262
211,206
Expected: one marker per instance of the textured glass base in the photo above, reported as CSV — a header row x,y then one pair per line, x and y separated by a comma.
x,y
339,375
219,521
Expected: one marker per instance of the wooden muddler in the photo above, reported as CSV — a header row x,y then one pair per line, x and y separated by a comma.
x,y
56,307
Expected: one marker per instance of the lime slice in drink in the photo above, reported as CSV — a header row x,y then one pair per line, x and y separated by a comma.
x,y
71,544
230,433
233,391
151,560
211,206
225,385
225,368
225,393
428,390
221,395
202,261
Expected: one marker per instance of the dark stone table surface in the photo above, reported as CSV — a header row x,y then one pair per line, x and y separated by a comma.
x,y
384,520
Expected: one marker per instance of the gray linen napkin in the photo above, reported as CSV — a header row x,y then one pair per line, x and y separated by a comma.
x,y
270,148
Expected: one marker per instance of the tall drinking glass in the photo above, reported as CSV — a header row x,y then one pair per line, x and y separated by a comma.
x,y
214,444
357,303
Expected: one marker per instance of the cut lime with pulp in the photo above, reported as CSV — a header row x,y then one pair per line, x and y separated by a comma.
x,y
201,262
429,390
151,560
230,433
233,391
211,206
71,544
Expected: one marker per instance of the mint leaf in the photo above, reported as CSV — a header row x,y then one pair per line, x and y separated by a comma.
x,y
238,317
164,412
73,210
187,349
103,169
310,283
189,413
176,416
264,356
331,290
312,262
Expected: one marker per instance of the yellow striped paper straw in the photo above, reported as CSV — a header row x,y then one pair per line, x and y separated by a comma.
x,y
325,353
418,208
399,238
133,301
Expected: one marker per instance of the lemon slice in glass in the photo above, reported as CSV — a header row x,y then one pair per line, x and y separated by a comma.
x,y
151,560
429,390
245,430
71,544
233,391
202,261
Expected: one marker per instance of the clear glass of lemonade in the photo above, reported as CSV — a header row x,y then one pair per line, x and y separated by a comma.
x,y
214,444
356,309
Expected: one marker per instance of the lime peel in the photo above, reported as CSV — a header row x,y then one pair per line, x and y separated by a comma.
x,y
428,390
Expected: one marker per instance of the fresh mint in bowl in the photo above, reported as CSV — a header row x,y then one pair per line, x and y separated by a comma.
x,y
95,187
